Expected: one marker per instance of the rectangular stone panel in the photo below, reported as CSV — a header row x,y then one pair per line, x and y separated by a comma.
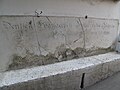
x,y
100,33
59,32
17,38
31,41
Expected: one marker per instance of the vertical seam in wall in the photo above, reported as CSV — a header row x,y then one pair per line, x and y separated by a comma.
x,y
66,37
118,35
36,36
81,24
48,19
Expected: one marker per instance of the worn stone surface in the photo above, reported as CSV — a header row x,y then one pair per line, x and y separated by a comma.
x,y
99,33
64,75
31,41
17,36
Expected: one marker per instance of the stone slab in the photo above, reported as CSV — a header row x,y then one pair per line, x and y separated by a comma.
x,y
65,75
100,33
17,37
32,41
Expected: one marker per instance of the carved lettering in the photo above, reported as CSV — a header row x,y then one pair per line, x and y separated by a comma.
x,y
46,25
20,26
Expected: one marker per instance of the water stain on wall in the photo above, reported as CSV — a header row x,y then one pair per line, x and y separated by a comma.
x,y
61,54
36,41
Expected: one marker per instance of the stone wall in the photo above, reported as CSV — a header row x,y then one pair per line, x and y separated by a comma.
x,y
29,41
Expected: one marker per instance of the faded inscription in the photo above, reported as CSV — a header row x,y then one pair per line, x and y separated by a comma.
x,y
49,25
100,33
21,26
99,25
53,38
20,34
54,32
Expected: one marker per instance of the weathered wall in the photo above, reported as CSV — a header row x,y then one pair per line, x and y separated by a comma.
x,y
28,41
92,8
69,75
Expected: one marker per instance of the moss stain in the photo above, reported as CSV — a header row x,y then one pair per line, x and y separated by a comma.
x,y
61,54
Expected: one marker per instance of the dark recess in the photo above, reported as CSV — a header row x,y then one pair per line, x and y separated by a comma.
x,y
82,81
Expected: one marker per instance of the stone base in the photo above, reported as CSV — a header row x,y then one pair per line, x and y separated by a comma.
x,y
67,75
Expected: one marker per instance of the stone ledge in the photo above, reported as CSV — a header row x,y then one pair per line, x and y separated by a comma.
x,y
67,75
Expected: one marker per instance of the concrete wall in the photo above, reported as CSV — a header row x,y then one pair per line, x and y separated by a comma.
x,y
92,8
28,41
58,34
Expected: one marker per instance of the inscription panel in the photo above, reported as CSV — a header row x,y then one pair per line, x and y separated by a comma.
x,y
17,37
20,34
54,32
100,33
44,35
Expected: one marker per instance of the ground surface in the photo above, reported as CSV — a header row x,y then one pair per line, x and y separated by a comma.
x,y
111,83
